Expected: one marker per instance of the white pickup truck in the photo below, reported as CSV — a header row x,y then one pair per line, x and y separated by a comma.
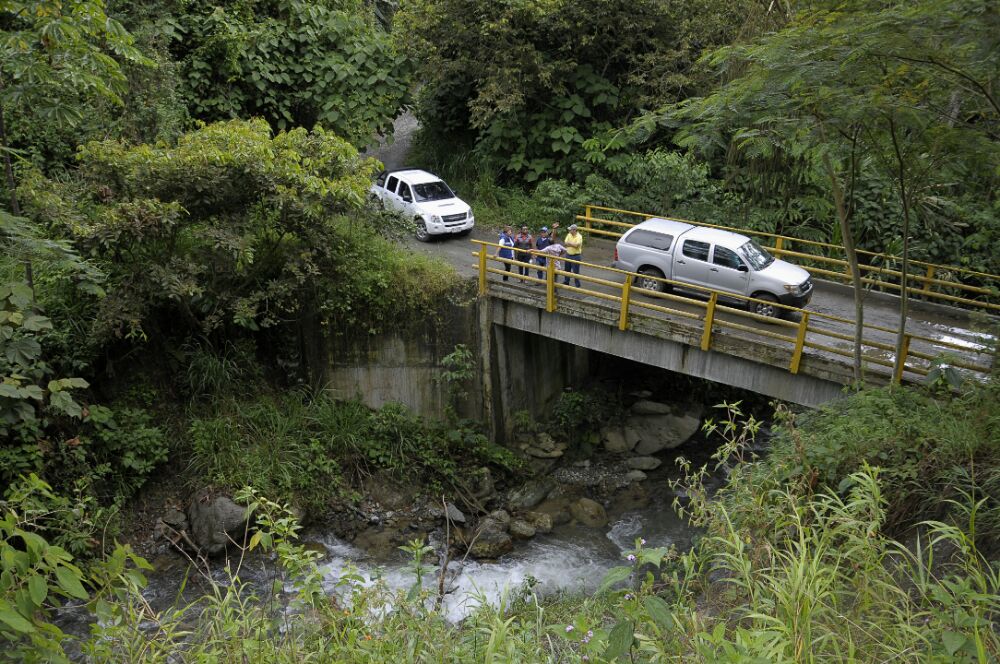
x,y
425,198
713,259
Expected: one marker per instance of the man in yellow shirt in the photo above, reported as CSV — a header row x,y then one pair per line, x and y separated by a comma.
x,y
574,251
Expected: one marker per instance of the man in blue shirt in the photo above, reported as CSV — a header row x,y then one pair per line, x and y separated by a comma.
x,y
543,240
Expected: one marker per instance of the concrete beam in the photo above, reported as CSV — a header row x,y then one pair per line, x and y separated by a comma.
x,y
662,343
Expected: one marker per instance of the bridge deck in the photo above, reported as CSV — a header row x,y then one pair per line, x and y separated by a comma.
x,y
956,337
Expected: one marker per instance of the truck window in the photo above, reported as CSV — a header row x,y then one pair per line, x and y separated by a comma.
x,y
380,181
390,185
695,249
650,239
726,258
404,193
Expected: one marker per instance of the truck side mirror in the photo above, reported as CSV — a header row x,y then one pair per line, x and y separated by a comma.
x,y
742,268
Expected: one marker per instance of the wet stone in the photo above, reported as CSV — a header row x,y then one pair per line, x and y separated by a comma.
x,y
589,513
643,463
521,529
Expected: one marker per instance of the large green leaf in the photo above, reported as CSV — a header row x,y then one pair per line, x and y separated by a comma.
x,y
69,581
13,619
23,351
619,640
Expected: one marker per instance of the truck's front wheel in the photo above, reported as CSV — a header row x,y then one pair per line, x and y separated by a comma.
x,y
421,233
766,305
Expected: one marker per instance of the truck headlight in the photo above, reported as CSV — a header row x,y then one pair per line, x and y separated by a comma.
x,y
797,289
435,219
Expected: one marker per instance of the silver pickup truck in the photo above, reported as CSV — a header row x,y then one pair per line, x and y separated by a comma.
x,y
714,259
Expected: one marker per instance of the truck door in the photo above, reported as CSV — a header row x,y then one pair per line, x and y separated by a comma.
x,y
728,272
691,264
406,199
392,198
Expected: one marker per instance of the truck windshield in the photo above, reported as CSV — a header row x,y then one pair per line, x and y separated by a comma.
x,y
756,255
432,191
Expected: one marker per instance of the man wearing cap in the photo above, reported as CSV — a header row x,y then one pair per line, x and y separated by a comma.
x,y
543,240
574,251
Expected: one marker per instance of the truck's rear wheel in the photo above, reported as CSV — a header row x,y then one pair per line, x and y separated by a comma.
x,y
649,279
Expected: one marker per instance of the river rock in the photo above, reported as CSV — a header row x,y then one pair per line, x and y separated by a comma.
x,y
481,484
540,521
453,513
491,539
650,408
663,432
589,513
529,494
635,476
615,441
521,529
213,521
539,453
500,517
643,463
175,518
544,441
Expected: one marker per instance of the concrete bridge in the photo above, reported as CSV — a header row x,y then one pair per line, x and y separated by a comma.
x,y
536,334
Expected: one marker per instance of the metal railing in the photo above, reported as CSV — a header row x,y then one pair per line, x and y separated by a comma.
x,y
932,279
809,332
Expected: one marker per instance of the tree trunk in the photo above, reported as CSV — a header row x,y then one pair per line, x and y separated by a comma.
x,y
852,260
904,295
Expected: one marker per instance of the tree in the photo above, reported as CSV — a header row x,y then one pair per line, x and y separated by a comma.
x,y
847,84
529,81
51,53
294,63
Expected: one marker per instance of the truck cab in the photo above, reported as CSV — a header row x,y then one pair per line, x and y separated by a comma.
x,y
711,259
426,199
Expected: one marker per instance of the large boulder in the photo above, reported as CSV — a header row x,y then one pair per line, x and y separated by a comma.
x,y
643,463
540,521
481,484
615,441
529,494
214,521
656,433
521,529
650,408
589,513
491,539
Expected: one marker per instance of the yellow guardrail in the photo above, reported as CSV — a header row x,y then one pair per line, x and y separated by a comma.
x,y
929,278
808,332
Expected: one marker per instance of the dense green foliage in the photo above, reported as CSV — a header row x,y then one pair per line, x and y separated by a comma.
x,y
530,82
308,450
294,63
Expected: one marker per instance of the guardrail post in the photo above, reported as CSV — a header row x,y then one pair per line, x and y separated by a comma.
x,y
927,284
800,341
482,269
779,243
550,284
901,363
626,295
706,336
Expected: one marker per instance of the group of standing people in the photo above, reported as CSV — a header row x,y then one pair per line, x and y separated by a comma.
x,y
545,247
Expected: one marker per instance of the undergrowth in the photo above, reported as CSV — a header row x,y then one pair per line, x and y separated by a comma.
x,y
309,449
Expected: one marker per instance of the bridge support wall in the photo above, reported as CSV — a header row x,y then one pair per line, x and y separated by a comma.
x,y
523,372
